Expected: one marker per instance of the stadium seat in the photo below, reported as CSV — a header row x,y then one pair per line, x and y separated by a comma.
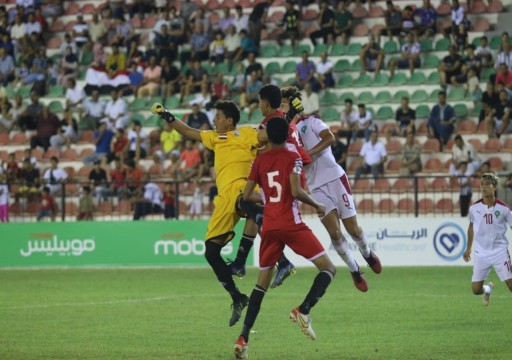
x,y
69,155
495,7
397,98
431,146
320,48
365,97
481,25
394,147
442,44
477,144
393,166
456,94
124,207
461,110
310,15
19,139
466,127
54,43
289,67
386,206
417,78
105,208
354,148
276,16
362,186
356,66
354,164
137,104
381,186
344,81
507,145
434,96
24,91
381,80
405,206
385,113
328,98
486,74
439,185
273,67
432,165
383,97
338,50
496,164
444,206
84,171
68,27
398,79
300,48
448,147
433,79
355,48
426,45
376,11
86,152
365,206
286,51
359,12
478,7
482,128
425,206
390,47
491,146
401,186
4,138
56,26
72,9
269,51
419,96
430,62
342,65
149,22
495,42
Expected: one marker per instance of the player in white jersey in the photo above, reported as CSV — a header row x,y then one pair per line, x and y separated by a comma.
x,y
328,184
489,218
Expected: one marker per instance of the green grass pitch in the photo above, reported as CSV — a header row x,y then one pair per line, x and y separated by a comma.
x,y
408,313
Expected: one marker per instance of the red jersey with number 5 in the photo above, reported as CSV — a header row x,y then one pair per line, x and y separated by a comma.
x,y
271,171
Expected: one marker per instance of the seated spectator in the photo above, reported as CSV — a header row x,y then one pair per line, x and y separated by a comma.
x,y
170,140
118,146
498,120
116,60
199,17
164,44
504,76
291,24
125,33
310,101
136,78
6,67
54,177
238,82
408,23
426,27
52,8
326,23
472,86
48,206
27,119
151,80
92,112
441,120
46,126
324,72
219,88
200,44
462,179
232,42
461,36
117,177
7,44
305,73
29,180
169,201
241,19
484,53
226,20
12,170
201,99
75,95
247,46
151,200
404,120
393,20
81,31
68,42
371,56
348,121
98,181
490,99
198,119
253,66
363,123
457,15
374,155
18,33
217,48
67,133
32,44
7,120
133,177
410,57
85,205
32,25
69,67
97,30
138,140
464,152
451,66
188,163
343,23
170,79
469,61
250,98
24,76
27,154
102,139
116,111
340,153
194,78
411,156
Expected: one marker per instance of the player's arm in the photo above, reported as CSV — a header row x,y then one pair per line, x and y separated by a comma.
x,y
467,254
327,139
262,137
179,126
249,194
299,194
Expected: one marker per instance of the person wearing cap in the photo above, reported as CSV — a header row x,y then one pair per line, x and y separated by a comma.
x,y
138,141
81,31
102,139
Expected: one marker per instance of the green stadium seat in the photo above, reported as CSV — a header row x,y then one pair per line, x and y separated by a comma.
x,y
244,117
434,95
486,74
172,102
272,67
381,80
383,97
81,74
286,51
234,69
385,113
138,117
153,121
328,98
442,44
56,58
342,65
289,67
371,111
495,42
417,78
431,62
476,110
433,79
337,50
330,115
365,97
398,79
456,94
344,81
390,47
138,104
461,110
24,91
356,65
354,49
289,81
10,92
269,51
87,59
221,68
55,91
397,98
347,95
320,48
363,81
476,41
208,67
422,112
184,69
256,117
419,96
154,99
426,45
300,48
55,106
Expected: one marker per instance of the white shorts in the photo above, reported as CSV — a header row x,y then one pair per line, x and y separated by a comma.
x,y
336,195
500,262
498,125
196,207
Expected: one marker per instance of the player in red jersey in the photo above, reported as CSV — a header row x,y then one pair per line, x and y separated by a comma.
x,y
277,172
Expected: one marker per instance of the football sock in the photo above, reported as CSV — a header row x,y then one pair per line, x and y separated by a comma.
x,y
253,210
320,284
244,248
252,310
283,261
363,244
341,247
212,255
487,289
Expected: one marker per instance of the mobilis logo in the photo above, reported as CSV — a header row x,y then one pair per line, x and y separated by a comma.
x,y
185,247
49,244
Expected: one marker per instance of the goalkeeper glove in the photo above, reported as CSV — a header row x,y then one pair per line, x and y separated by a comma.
x,y
296,107
165,114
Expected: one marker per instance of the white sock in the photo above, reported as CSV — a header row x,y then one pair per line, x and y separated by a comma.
x,y
341,247
363,244
487,289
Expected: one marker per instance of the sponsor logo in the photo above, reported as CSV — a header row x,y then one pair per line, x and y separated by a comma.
x,y
450,241
49,244
185,247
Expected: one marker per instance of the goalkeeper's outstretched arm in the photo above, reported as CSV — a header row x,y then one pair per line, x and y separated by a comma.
x,y
179,126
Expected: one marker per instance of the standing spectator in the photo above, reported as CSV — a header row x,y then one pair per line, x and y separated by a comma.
x,y
343,24
97,30
81,31
457,15
257,20
4,199
200,44
232,42
6,67
305,73
198,119
241,19
151,201
169,201
326,21
196,206
410,57
170,140
462,178
464,152
139,141
411,157
67,133
152,75
427,16
29,180
118,146
27,120
12,171
450,66
194,78
48,207
371,56
99,181
227,20
54,177
498,119
116,111
490,99
441,120
484,53
117,176
92,112
504,57
374,155
363,123
404,120
291,23
348,120
393,19
310,101
75,95
102,139
68,68
85,205
47,126
324,71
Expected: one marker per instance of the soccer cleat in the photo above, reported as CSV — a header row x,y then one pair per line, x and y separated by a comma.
x,y
359,280
241,349
374,263
304,322
282,274
236,269
238,307
487,296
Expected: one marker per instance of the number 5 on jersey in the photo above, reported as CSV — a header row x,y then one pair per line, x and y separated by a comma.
x,y
274,184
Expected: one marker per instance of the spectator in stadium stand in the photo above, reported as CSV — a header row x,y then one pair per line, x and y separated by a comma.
x,y
136,77
241,19
324,70
247,46
29,181
187,8
46,126
305,73
102,139
484,53
199,16
188,163
67,133
374,156
69,67
232,42
253,66
409,58
151,80
238,83
7,44
164,45
33,43
291,24
193,79
199,44
27,154
363,123
371,56
472,86
202,98
464,152
457,15
54,177
75,95
52,8
411,156
170,79
97,30
227,20
310,101
12,170
393,20
68,42
450,66
217,48
116,111
6,68
490,98
98,181
117,175
219,88
169,200
441,120
170,141
257,20
462,179
326,22
343,23
6,115
32,25
18,33
91,112
149,201
125,34
408,24
404,120
339,151
250,97
28,117
138,140
348,120
48,207
504,77
85,205
498,120
118,146
81,31
426,26
198,119
469,61
116,60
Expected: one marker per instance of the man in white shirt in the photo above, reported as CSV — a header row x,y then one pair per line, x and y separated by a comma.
x,y
464,152
348,120
504,57
81,31
54,176
232,42
32,25
484,52
410,57
241,20
457,15
151,202
324,71
310,101
75,95
138,140
362,124
92,112
18,31
116,111
489,219
68,42
374,155
97,29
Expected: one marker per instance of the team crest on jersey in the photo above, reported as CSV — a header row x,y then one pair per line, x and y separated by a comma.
x,y
297,168
497,214
303,129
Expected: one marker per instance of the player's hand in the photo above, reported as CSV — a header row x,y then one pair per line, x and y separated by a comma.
x,y
320,210
467,255
165,114
296,107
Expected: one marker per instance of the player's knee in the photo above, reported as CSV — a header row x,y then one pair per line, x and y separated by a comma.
x,y
509,284
477,290
212,250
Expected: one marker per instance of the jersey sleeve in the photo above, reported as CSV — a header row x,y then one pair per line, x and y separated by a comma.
x,y
509,217
317,125
297,167
208,138
253,175
250,136
471,216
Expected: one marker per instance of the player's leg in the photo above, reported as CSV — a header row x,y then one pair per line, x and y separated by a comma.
x,y
481,269
503,266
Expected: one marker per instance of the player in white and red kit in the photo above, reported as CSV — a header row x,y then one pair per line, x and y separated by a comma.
x,y
277,172
329,185
489,219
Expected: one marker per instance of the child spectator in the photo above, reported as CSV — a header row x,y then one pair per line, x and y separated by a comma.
x,y
48,206
29,179
4,199
170,141
196,207
11,168
169,202
118,146
217,49
85,206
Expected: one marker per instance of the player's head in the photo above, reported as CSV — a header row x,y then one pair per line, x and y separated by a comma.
x,y
227,116
488,183
286,93
270,99
277,130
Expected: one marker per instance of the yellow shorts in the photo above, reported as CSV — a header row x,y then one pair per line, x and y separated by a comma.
x,y
224,216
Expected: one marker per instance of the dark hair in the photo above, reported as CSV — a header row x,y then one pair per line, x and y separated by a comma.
x,y
277,130
46,189
457,137
441,93
390,3
54,158
361,106
484,38
272,94
87,189
229,109
350,101
289,91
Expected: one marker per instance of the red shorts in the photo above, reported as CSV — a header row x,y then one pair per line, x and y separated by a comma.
x,y
299,238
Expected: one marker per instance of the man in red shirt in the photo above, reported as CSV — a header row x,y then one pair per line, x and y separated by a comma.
x,y
48,206
504,76
278,172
